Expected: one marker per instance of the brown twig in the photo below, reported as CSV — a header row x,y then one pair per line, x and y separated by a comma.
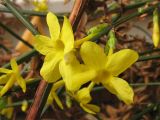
x,y
75,16
32,113
77,12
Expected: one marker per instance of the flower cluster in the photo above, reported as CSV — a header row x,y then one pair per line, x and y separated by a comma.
x,y
10,77
87,65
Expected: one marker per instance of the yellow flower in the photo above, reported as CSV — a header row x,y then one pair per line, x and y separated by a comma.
x,y
156,30
54,48
24,105
40,5
53,94
107,68
10,77
83,97
8,112
74,74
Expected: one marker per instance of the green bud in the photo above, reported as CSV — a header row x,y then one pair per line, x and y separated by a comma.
x,y
110,45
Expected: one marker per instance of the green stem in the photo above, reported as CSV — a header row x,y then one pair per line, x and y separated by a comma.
x,y
23,58
15,35
128,7
5,48
149,51
20,17
122,20
126,18
29,12
144,111
136,5
26,12
131,84
145,58
18,104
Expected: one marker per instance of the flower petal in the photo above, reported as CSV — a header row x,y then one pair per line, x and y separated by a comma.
x,y
57,85
93,55
75,74
58,101
54,27
120,88
120,61
50,68
14,65
4,70
4,78
21,82
8,85
90,108
83,96
67,36
43,44
53,96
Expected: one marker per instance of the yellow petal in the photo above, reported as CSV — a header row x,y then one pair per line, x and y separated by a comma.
x,y
53,25
21,82
53,96
120,61
90,108
8,85
120,88
50,68
93,55
78,43
43,44
4,70
76,81
8,112
49,99
59,103
24,106
83,96
14,65
75,74
57,85
4,78
67,36
156,29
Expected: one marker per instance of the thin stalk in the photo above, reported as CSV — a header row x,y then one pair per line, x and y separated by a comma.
x,y
19,16
150,51
26,56
139,115
145,58
29,12
127,7
136,5
17,104
26,12
131,84
15,35
122,20
5,48
133,15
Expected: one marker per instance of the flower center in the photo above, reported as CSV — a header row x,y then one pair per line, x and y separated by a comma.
x,y
102,75
59,45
